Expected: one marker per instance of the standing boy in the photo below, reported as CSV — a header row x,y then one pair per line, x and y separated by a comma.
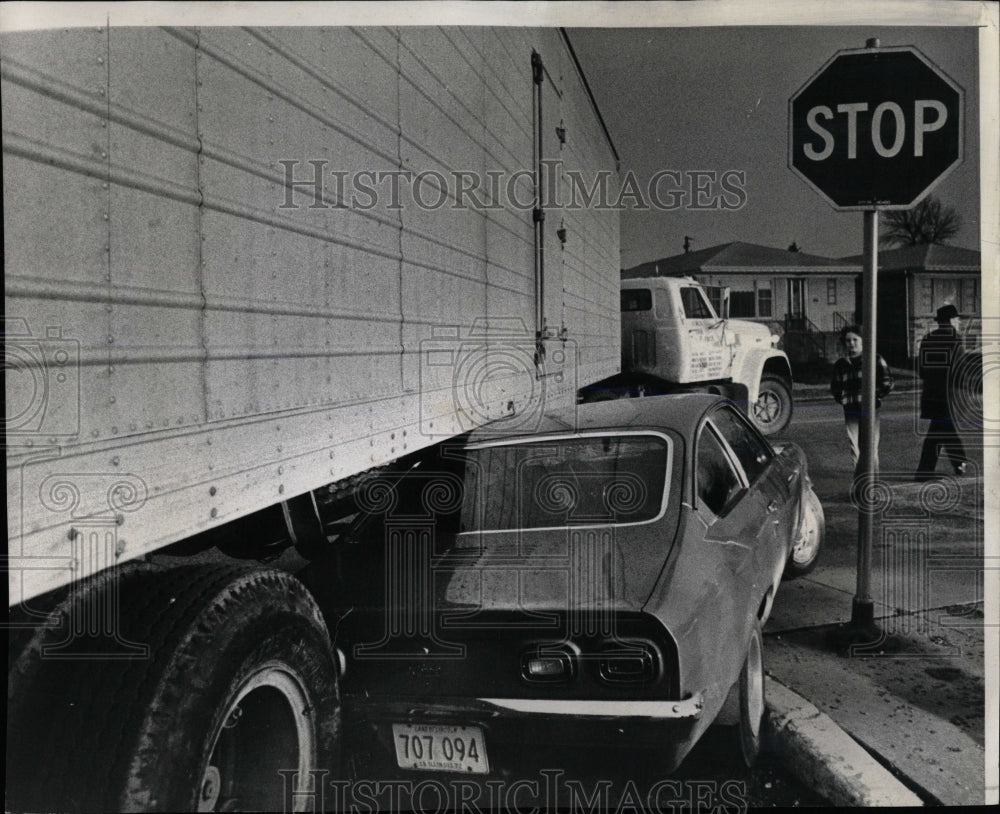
x,y
846,387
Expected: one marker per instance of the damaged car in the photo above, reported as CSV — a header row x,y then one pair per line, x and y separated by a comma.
x,y
601,579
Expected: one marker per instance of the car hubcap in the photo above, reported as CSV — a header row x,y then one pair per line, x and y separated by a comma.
x,y
767,408
808,540
755,688
266,729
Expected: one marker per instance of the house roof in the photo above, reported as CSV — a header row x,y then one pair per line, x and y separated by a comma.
x,y
926,257
739,257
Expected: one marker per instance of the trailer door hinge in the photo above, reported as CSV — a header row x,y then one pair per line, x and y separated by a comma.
x,y
538,215
561,133
536,67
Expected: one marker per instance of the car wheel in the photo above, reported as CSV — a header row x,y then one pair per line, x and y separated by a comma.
x,y
751,697
772,411
809,541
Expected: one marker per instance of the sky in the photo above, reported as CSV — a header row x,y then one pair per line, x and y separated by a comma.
x,y
716,99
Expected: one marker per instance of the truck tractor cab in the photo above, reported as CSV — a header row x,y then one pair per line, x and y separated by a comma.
x,y
673,338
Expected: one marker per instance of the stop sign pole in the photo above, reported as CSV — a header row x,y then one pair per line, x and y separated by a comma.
x,y
874,129
862,606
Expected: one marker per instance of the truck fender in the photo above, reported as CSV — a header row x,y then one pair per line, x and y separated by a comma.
x,y
749,368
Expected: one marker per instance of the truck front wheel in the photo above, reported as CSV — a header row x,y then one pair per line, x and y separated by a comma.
x,y
772,411
235,706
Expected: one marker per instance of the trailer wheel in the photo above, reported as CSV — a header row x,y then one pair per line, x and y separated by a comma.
x,y
772,411
234,708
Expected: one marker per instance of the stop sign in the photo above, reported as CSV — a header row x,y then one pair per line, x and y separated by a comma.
x,y
876,128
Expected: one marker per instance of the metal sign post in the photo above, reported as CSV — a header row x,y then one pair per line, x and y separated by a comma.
x,y
863,608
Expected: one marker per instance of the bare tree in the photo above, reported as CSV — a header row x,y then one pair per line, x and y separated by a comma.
x,y
928,222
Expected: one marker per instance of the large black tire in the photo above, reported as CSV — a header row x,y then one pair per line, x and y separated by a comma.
x,y
808,541
772,411
239,687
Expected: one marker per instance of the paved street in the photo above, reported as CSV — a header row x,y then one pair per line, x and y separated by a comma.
x,y
914,698
818,429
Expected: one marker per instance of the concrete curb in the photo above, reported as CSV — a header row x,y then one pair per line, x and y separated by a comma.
x,y
825,757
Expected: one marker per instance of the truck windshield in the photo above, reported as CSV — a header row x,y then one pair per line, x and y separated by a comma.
x,y
637,299
594,480
695,304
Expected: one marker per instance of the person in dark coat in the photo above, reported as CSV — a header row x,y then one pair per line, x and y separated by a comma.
x,y
846,387
940,353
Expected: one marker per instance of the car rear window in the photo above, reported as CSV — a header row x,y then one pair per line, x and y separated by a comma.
x,y
591,480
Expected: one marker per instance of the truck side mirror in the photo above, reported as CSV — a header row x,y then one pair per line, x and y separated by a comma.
x,y
724,302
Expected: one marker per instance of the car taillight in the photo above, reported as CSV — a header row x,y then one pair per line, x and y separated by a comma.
x,y
629,664
546,665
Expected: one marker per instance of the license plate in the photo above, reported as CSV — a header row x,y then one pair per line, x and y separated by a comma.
x,y
433,747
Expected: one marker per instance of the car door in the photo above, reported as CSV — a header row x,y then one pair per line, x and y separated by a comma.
x,y
765,473
727,570
709,357
738,505
733,510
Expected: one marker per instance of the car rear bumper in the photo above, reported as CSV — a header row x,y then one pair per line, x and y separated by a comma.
x,y
624,711
514,727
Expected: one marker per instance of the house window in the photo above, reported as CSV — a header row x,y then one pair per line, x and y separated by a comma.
x,y
970,297
831,291
741,304
764,300
926,296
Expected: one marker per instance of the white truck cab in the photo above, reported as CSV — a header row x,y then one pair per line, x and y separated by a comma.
x,y
674,339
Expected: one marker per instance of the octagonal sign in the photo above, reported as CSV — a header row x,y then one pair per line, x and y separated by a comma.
x,y
876,128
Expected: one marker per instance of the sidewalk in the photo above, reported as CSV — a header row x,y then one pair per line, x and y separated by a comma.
x,y
913,698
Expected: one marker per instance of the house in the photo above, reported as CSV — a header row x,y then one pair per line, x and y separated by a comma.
x,y
913,282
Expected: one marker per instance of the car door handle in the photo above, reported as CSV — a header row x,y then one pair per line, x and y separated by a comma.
x,y
772,506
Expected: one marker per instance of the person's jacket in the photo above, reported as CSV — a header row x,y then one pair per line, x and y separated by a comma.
x,y
940,352
846,383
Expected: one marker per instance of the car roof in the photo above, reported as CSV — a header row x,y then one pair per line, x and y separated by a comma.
x,y
679,412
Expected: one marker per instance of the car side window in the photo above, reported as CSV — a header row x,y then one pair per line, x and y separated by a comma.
x,y
752,452
717,484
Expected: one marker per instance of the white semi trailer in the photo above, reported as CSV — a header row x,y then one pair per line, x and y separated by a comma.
x,y
221,311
